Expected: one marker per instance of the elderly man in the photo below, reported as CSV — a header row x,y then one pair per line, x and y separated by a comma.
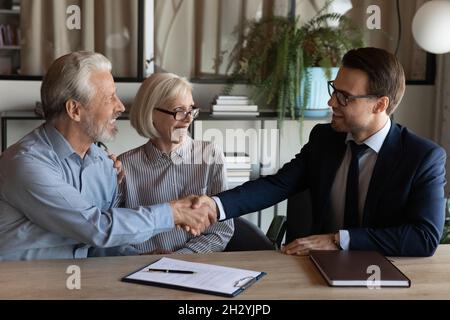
x,y
57,186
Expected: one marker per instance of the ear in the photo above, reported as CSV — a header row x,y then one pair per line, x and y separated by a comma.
x,y
73,110
382,105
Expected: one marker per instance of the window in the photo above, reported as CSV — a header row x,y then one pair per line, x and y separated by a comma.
x,y
37,32
193,38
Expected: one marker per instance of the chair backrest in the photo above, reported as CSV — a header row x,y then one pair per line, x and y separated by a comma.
x,y
248,237
299,216
276,230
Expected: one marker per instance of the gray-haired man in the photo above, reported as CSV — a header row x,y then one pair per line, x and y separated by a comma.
x,y
57,186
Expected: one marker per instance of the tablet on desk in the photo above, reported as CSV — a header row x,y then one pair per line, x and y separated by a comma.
x,y
358,269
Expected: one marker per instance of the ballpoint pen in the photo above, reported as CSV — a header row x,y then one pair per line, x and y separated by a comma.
x,y
170,271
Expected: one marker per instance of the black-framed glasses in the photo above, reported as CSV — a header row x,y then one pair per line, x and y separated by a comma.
x,y
344,98
181,115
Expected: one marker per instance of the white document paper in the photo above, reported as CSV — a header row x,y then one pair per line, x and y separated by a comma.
x,y
206,277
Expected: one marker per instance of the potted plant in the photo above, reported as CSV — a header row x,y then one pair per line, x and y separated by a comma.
x,y
277,57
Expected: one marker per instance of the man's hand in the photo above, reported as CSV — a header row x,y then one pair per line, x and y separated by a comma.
x,y
302,246
118,167
199,201
193,219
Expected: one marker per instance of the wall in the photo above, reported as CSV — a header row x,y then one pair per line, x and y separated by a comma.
x,y
22,95
418,109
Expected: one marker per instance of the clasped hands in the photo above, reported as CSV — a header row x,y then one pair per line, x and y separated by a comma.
x,y
194,213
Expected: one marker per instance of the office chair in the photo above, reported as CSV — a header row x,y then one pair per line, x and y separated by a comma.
x,y
248,237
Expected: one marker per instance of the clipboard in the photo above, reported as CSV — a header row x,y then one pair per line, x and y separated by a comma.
x,y
195,277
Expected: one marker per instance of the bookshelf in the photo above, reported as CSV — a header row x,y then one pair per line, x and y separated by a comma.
x,y
10,40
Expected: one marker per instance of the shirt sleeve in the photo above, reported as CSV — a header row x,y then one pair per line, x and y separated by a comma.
x,y
222,215
215,238
119,200
38,190
344,239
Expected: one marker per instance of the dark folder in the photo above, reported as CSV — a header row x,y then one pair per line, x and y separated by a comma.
x,y
358,269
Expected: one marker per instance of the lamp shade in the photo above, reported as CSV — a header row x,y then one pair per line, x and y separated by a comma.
x,y
431,26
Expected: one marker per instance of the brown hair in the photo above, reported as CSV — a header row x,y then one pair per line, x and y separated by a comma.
x,y
385,73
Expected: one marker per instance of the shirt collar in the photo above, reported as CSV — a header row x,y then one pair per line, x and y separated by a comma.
x,y
375,141
60,145
183,151
63,148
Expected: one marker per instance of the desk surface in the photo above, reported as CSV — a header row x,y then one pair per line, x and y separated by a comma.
x,y
288,277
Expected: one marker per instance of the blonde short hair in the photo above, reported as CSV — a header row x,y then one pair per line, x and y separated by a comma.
x,y
157,91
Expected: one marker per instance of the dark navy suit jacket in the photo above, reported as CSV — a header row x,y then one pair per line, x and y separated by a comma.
x,y
405,208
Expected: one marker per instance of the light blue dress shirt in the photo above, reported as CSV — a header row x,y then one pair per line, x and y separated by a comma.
x,y
56,205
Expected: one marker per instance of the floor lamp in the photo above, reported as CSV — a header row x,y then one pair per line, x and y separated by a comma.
x,y
431,26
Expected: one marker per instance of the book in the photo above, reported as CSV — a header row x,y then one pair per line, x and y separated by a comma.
x,y
3,35
231,97
234,113
193,276
238,165
239,108
238,173
358,269
236,157
238,179
235,102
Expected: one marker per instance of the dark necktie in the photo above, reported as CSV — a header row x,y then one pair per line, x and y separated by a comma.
x,y
351,215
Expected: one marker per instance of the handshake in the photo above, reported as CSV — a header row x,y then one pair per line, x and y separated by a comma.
x,y
194,213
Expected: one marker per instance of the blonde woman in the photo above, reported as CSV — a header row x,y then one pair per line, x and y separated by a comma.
x,y
171,165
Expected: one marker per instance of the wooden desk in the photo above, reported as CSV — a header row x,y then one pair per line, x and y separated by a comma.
x,y
288,277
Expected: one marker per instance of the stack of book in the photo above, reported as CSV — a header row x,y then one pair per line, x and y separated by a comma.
x,y
234,106
9,35
238,168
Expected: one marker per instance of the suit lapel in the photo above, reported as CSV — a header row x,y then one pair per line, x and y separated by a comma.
x,y
387,159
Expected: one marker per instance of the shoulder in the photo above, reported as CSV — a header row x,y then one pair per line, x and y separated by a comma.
x,y
132,154
33,150
413,143
324,132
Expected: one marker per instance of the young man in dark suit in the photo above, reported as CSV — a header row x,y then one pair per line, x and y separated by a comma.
x,y
374,185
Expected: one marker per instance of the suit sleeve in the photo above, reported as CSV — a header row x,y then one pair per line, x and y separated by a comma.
x,y
424,215
267,191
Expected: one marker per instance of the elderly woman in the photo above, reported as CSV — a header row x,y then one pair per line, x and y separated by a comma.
x,y
171,165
